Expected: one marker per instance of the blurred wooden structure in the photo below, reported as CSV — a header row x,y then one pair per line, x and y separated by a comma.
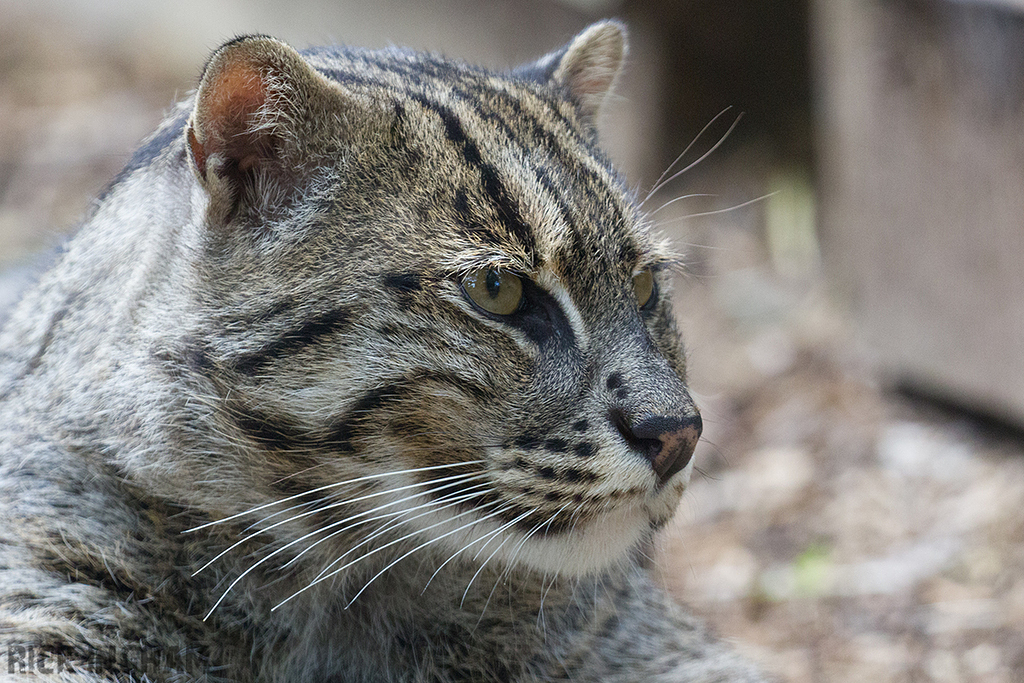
x,y
921,175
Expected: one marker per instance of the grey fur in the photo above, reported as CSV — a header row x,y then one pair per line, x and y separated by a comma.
x,y
257,349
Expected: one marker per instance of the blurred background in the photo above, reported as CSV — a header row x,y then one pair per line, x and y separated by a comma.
x,y
853,303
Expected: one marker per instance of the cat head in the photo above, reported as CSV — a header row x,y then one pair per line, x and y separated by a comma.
x,y
429,300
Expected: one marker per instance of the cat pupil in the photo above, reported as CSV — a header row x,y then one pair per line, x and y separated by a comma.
x,y
493,283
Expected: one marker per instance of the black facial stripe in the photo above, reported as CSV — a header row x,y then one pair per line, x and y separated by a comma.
x,y
541,319
466,86
308,333
195,356
577,170
405,286
541,137
584,450
276,432
611,217
527,442
403,282
558,197
344,429
499,108
547,139
574,475
502,200
462,78
556,445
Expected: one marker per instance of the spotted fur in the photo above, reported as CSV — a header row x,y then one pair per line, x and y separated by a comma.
x,y
255,428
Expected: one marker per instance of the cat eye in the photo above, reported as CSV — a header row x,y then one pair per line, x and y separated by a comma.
x,y
643,287
496,291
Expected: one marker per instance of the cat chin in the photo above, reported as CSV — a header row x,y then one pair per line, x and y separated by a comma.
x,y
589,548
602,542
586,549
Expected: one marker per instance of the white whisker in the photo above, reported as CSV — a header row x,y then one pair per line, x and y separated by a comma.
x,y
323,577
500,529
257,564
679,199
431,505
369,477
458,478
515,553
401,539
424,545
534,530
702,157
718,211
658,183
541,621
347,523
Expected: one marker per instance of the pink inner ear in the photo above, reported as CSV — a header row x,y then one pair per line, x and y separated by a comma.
x,y
228,104
592,81
236,93
198,153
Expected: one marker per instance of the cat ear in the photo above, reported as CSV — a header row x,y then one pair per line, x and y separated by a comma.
x,y
256,98
587,67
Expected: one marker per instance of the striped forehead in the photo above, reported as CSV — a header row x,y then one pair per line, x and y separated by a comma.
x,y
549,197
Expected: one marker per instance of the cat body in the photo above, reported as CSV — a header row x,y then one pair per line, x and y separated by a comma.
x,y
363,369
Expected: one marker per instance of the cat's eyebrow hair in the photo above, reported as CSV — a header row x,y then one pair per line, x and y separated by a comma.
x,y
491,258
662,261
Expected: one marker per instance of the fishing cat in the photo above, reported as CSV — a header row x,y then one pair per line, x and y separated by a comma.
x,y
363,369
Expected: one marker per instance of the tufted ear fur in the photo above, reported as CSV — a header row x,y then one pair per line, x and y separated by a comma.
x,y
258,102
587,67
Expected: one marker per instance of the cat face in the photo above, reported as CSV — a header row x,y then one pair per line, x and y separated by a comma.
x,y
432,306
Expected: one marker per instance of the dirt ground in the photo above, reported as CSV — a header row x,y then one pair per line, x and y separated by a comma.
x,y
835,531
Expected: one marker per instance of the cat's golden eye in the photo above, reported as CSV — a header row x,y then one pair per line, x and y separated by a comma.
x,y
496,291
643,287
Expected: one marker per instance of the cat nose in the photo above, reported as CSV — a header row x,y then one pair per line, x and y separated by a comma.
x,y
666,441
